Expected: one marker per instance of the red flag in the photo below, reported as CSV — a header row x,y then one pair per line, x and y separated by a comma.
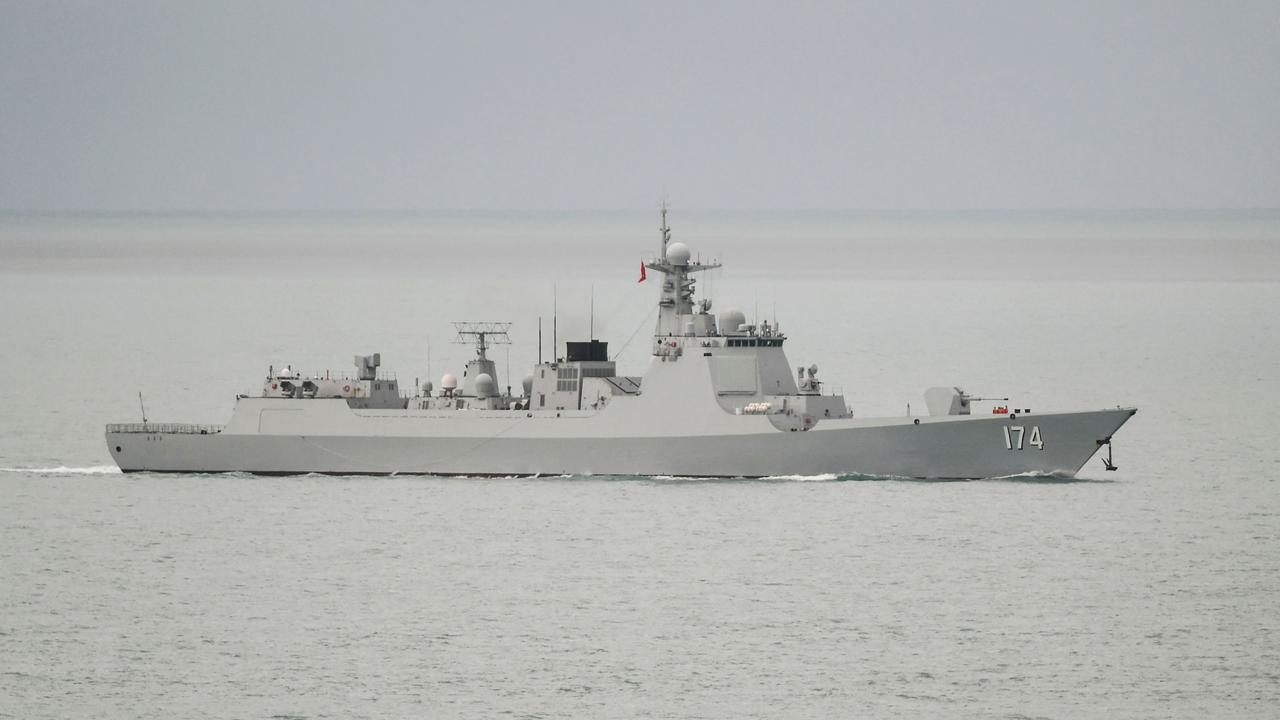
x,y
642,273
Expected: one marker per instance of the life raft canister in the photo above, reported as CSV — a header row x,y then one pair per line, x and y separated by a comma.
x,y
346,388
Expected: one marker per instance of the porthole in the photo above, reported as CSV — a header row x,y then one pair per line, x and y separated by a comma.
x,y
117,448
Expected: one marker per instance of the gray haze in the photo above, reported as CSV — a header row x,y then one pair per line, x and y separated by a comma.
x,y
1150,592
291,106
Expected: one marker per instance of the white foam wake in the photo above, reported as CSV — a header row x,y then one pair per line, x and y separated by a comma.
x,y
824,477
1034,475
64,470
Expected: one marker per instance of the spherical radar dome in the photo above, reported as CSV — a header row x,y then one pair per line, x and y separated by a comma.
x,y
678,253
449,382
731,320
485,386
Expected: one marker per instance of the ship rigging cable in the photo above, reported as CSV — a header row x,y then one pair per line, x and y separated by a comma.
x,y
643,322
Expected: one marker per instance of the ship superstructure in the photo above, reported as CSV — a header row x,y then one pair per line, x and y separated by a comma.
x,y
719,398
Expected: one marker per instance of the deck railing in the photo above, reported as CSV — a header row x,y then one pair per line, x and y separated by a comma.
x,y
165,428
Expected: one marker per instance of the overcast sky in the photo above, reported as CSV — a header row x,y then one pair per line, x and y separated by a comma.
x,y
292,106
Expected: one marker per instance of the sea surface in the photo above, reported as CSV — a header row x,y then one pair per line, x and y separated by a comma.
x,y
1150,592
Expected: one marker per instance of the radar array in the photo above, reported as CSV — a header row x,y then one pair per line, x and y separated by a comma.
x,y
482,334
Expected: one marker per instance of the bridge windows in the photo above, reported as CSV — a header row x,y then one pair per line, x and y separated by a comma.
x,y
567,379
755,342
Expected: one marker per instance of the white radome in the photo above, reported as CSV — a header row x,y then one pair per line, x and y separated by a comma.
x,y
678,253
485,386
449,382
731,320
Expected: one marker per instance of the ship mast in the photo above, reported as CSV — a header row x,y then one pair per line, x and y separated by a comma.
x,y
666,232
482,335
675,298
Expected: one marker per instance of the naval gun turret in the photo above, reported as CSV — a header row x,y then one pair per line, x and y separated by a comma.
x,y
952,401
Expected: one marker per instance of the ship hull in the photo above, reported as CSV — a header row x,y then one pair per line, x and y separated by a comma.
x,y
959,447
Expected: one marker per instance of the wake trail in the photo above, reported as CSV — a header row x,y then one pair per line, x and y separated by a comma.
x,y
65,470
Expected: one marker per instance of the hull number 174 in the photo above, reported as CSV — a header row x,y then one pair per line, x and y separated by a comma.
x,y
1016,437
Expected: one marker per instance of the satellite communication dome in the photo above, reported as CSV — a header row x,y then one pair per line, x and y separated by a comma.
x,y
731,320
528,385
678,253
427,387
485,386
448,382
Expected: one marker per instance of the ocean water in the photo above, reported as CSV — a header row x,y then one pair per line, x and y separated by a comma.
x,y
1152,591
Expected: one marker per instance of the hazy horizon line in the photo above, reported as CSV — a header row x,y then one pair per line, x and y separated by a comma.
x,y
675,210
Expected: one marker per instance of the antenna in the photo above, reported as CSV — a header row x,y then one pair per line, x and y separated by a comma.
x,y
483,334
665,229
591,334
555,344
711,276
539,339
144,409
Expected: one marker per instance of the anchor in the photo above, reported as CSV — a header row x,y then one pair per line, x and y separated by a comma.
x,y
1106,461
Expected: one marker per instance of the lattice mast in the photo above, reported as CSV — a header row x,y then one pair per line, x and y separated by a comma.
x,y
482,335
675,299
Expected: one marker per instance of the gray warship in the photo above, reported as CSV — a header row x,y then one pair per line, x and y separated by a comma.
x,y
718,399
